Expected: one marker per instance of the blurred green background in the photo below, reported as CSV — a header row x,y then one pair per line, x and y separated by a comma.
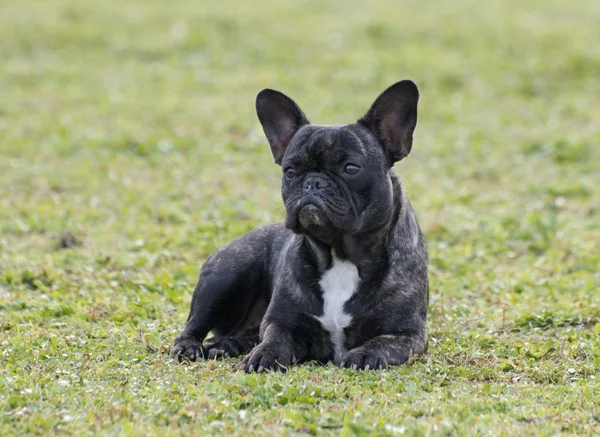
x,y
130,150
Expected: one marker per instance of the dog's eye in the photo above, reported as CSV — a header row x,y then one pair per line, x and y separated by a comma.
x,y
351,169
290,172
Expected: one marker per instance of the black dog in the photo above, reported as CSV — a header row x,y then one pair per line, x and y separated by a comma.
x,y
345,277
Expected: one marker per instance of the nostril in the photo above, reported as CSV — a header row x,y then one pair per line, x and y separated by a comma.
x,y
320,184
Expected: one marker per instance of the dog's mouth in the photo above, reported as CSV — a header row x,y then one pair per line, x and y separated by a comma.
x,y
319,217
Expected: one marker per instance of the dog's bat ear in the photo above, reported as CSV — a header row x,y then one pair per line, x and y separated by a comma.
x,y
281,118
393,118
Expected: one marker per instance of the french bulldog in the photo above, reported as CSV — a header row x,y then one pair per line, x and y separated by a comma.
x,y
344,278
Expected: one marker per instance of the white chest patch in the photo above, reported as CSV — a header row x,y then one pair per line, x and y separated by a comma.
x,y
338,283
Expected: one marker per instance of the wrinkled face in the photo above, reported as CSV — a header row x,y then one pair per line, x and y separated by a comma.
x,y
335,181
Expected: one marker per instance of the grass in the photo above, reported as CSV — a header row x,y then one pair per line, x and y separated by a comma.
x,y
130,150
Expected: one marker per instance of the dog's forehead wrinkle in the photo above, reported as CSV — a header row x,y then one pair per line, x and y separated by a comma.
x,y
328,144
322,141
367,138
297,145
357,141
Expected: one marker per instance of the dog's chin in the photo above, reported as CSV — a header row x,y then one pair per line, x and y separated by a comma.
x,y
311,218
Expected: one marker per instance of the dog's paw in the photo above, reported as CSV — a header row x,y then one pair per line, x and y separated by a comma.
x,y
362,359
264,357
223,348
187,349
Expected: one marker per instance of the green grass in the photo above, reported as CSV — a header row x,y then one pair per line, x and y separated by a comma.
x,y
128,134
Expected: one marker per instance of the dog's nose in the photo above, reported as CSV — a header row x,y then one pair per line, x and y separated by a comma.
x,y
314,183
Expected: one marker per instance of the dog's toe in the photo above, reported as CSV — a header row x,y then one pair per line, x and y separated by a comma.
x,y
372,362
187,350
357,359
263,358
222,349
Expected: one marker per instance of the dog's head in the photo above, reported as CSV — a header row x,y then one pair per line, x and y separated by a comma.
x,y
336,178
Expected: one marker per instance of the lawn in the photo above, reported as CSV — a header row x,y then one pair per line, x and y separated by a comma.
x,y
130,150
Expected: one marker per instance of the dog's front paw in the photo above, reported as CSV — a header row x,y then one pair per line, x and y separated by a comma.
x,y
187,349
363,359
265,357
223,348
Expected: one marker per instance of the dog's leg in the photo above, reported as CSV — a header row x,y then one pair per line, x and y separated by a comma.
x,y
221,347
222,299
204,314
385,350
